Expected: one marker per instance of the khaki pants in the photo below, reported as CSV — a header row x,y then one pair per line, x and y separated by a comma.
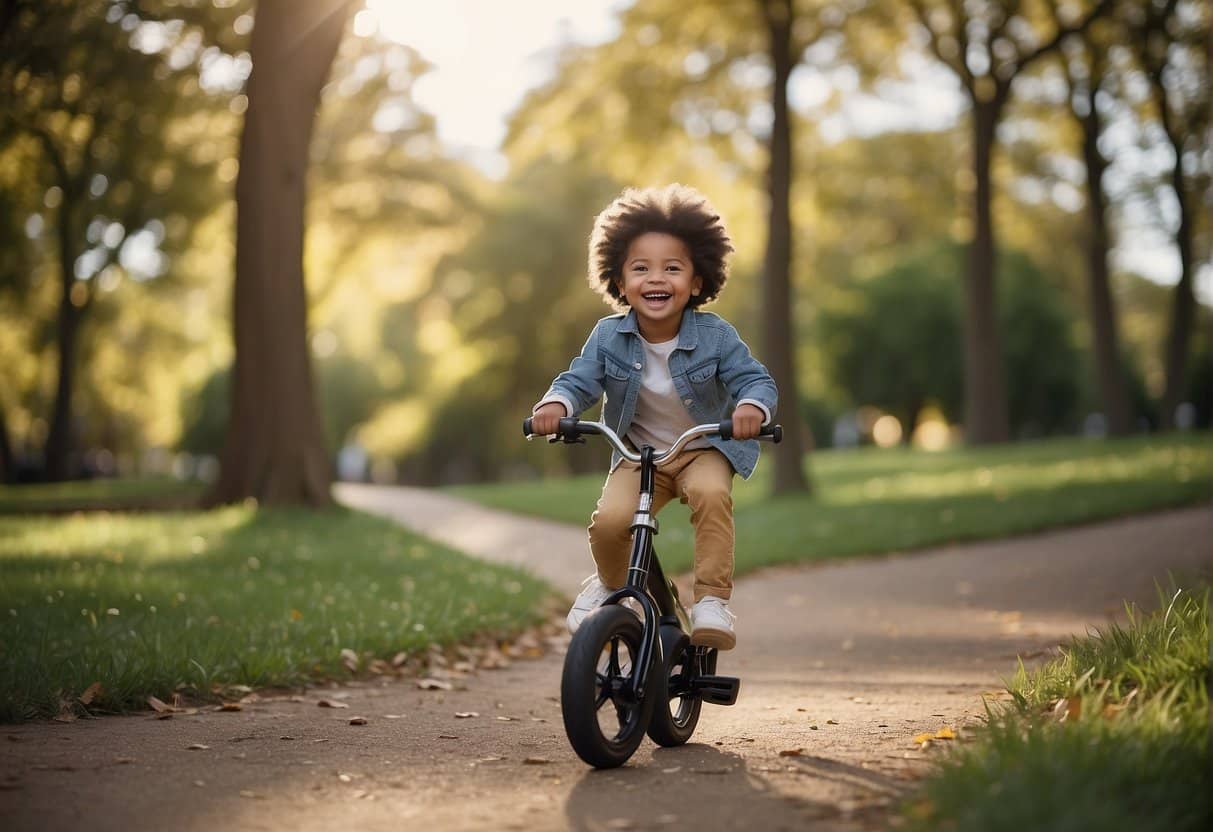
x,y
703,479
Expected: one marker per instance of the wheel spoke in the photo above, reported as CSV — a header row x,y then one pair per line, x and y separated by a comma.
x,y
613,661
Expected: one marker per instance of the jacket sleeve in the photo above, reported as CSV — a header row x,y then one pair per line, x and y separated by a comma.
x,y
580,386
744,376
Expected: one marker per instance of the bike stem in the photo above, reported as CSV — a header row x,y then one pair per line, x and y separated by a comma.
x,y
646,582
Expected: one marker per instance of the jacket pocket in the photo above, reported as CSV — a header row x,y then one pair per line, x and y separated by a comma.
x,y
615,370
704,372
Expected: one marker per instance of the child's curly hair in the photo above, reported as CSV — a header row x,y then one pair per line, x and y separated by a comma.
x,y
678,210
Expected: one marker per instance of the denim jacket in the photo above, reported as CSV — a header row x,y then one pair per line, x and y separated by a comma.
x,y
711,367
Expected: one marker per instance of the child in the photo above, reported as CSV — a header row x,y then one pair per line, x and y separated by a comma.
x,y
659,253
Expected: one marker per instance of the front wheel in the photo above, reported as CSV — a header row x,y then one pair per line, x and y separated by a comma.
x,y
675,707
604,724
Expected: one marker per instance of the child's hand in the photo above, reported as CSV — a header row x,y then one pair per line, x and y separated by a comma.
x,y
546,419
747,421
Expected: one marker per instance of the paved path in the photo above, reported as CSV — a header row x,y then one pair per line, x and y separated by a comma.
x,y
558,553
845,662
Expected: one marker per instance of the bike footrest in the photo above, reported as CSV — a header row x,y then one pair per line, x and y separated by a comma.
x,y
716,690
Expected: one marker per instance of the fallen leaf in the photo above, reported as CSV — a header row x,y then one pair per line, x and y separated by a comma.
x,y
344,778
197,747
159,706
1068,709
330,703
350,659
448,736
792,752
399,659
90,693
831,722
434,684
286,737
507,719
230,706
393,716
945,733
123,761
536,761
358,720
467,714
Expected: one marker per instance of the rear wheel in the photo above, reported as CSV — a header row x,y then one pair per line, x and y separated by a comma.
x,y
675,709
604,723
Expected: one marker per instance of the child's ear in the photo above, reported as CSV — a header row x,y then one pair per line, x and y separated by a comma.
x,y
696,287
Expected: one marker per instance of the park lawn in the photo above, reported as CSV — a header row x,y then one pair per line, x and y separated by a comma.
x,y
147,604
1112,735
112,494
873,501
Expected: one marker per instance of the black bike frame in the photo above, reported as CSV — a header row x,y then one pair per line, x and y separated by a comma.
x,y
646,582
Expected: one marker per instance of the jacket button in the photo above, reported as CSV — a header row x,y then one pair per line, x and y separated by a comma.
x,y
637,365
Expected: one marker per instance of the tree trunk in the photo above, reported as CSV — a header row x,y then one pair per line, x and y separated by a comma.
x,y
985,376
779,350
274,450
1109,369
60,441
1183,303
8,461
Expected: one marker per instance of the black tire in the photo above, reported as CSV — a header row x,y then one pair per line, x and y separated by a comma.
x,y
603,728
675,710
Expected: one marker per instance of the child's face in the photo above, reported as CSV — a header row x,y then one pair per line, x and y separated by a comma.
x,y
658,282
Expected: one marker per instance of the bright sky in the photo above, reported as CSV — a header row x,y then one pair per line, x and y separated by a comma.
x,y
488,53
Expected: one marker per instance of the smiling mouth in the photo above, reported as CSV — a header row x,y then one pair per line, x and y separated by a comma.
x,y
656,296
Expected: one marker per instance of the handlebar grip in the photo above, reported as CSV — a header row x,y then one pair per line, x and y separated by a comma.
x,y
775,432
567,427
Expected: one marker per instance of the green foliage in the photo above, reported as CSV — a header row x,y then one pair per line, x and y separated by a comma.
x,y
871,500
150,604
1113,735
895,342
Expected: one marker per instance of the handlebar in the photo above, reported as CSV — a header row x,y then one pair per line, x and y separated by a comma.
x,y
571,429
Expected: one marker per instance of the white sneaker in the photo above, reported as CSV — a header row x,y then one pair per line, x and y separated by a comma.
x,y
712,624
593,593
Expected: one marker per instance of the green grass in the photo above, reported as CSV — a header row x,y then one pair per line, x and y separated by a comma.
x,y
148,603
109,493
1113,735
872,501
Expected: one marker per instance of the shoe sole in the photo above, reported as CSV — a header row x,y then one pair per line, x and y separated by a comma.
x,y
720,639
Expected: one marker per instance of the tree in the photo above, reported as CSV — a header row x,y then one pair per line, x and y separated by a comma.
x,y
987,45
274,450
70,77
893,342
1084,59
777,265
1169,39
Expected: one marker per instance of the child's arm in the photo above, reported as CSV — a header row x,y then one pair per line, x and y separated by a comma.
x,y
747,380
575,390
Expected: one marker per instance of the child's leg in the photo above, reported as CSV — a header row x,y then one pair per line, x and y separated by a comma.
x,y
611,524
705,483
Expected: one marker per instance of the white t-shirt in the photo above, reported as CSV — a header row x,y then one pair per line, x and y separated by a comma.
x,y
660,416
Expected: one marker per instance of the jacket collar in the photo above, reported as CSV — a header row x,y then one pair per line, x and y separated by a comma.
x,y
688,330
